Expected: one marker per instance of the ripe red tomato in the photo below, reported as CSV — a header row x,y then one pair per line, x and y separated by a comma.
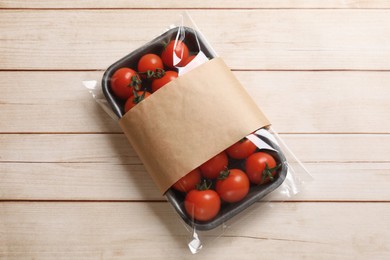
x,y
134,100
202,205
174,53
214,166
188,182
121,82
150,62
242,149
261,168
159,83
232,185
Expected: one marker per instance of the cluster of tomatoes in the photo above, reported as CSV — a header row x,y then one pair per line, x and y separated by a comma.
x,y
214,183
128,84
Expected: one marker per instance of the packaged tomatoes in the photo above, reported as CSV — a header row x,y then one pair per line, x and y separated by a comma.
x,y
211,160
234,179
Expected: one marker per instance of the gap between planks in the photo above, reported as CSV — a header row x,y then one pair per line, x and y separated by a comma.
x,y
164,201
186,8
121,133
99,162
238,70
186,4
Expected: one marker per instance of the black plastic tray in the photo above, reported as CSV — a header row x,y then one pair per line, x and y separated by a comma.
x,y
194,41
229,210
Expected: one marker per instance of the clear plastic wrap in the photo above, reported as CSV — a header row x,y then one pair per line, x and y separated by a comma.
x,y
248,168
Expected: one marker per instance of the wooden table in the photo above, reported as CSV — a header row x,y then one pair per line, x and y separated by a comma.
x,y
72,188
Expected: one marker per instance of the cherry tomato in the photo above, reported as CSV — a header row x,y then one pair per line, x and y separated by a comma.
x,y
150,62
188,60
202,205
261,168
214,166
188,182
159,83
121,82
242,149
133,100
232,185
174,53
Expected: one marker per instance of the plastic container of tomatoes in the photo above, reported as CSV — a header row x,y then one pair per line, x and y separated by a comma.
x,y
193,40
265,146
144,91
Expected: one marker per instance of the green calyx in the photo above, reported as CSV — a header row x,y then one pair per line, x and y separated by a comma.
x,y
224,174
268,172
150,74
205,185
135,82
138,98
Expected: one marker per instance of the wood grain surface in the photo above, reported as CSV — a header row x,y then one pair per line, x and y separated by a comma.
x,y
71,187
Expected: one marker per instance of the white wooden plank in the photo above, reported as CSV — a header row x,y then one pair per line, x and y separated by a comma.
x,y
194,4
105,167
257,39
50,102
67,148
114,148
152,230
93,181
332,102
295,102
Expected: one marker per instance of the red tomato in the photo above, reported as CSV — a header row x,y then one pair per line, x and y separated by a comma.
x,y
121,82
188,182
174,53
261,168
212,168
232,185
159,83
202,205
134,100
188,60
242,149
150,62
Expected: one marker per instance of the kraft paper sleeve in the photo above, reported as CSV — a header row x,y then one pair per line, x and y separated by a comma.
x,y
190,120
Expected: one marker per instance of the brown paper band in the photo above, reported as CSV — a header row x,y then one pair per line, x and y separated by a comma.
x,y
190,120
